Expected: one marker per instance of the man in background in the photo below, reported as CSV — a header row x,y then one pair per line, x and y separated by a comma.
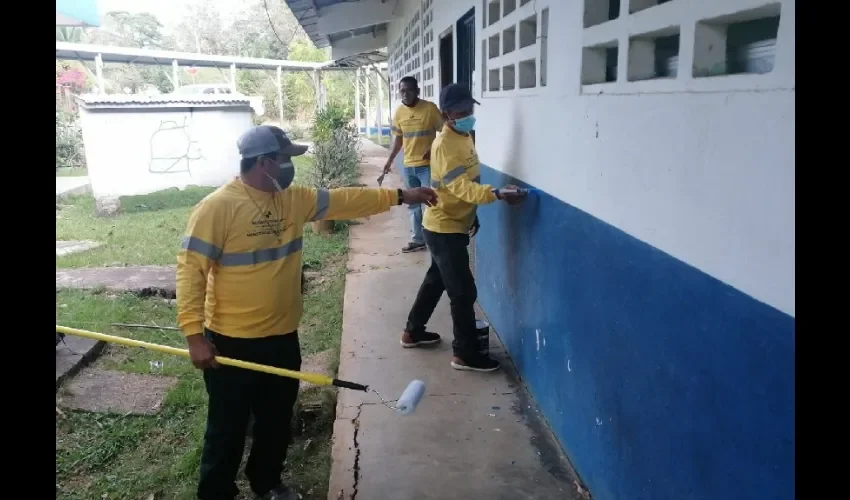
x,y
239,296
415,125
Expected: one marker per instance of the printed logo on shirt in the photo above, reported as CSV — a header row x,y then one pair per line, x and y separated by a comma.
x,y
471,158
412,120
267,225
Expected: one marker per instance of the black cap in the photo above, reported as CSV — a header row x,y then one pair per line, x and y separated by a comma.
x,y
456,97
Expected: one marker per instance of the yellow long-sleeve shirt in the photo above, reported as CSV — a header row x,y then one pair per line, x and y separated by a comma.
x,y
239,271
455,172
417,126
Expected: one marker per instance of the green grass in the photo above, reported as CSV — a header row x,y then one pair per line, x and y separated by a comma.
x,y
72,172
133,457
148,229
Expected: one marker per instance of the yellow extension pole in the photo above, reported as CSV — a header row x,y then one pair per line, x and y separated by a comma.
x,y
312,378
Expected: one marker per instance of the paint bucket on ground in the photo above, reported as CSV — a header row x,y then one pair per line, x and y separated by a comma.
x,y
483,330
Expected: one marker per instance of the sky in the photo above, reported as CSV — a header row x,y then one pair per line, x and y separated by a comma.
x,y
168,12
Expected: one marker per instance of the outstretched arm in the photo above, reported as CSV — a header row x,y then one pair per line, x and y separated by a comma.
x,y
356,202
457,182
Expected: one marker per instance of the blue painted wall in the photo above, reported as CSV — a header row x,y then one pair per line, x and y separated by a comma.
x,y
374,130
661,382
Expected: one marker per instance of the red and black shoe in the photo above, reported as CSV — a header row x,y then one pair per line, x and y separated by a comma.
x,y
419,339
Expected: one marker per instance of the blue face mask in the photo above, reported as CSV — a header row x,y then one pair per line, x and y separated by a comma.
x,y
464,125
287,174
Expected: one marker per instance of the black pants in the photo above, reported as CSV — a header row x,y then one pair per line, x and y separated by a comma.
x,y
235,393
449,271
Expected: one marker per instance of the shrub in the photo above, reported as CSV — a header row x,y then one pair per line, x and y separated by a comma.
x,y
296,132
336,161
69,141
333,117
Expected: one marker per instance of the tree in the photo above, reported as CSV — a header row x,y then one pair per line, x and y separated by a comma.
x,y
143,30
257,32
258,29
70,34
122,29
201,29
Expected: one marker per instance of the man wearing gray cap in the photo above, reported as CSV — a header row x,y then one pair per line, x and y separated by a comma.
x,y
447,227
239,296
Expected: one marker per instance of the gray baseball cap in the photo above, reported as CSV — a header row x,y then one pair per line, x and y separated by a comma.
x,y
265,140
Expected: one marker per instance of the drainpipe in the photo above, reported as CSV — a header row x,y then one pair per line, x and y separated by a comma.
x,y
98,68
357,100
175,74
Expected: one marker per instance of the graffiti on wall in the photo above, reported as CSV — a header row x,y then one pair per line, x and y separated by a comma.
x,y
172,149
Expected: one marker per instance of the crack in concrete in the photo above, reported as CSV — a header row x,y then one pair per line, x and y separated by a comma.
x,y
356,467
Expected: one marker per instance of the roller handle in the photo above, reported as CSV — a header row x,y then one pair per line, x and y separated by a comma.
x,y
350,385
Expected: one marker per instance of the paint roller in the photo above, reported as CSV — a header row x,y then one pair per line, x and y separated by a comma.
x,y
522,191
404,405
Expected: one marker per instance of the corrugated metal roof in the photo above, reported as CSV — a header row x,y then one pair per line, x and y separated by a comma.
x,y
305,13
163,101
88,52
377,58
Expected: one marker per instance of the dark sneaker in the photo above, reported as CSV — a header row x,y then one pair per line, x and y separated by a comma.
x,y
424,338
413,247
280,493
476,364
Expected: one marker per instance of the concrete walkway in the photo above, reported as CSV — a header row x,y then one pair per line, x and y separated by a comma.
x,y
472,436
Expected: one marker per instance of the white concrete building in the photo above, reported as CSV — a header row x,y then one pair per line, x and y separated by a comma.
x,y
647,294
142,144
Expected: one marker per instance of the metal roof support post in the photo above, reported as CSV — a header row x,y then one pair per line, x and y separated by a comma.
x,y
98,69
317,89
324,89
175,73
357,100
389,102
233,78
379,116
368,107
280,95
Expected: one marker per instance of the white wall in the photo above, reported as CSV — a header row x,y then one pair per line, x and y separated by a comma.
x,y
140,151
701,168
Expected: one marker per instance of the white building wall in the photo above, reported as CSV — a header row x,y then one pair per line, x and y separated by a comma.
x,y
701,168
140,151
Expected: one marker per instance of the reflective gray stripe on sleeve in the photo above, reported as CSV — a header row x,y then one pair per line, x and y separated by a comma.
x,y
453,174
208,250
261,256
323,200
421,133
435,184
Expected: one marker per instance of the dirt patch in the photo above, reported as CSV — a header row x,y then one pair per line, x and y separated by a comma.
x,y
143,280
106,391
